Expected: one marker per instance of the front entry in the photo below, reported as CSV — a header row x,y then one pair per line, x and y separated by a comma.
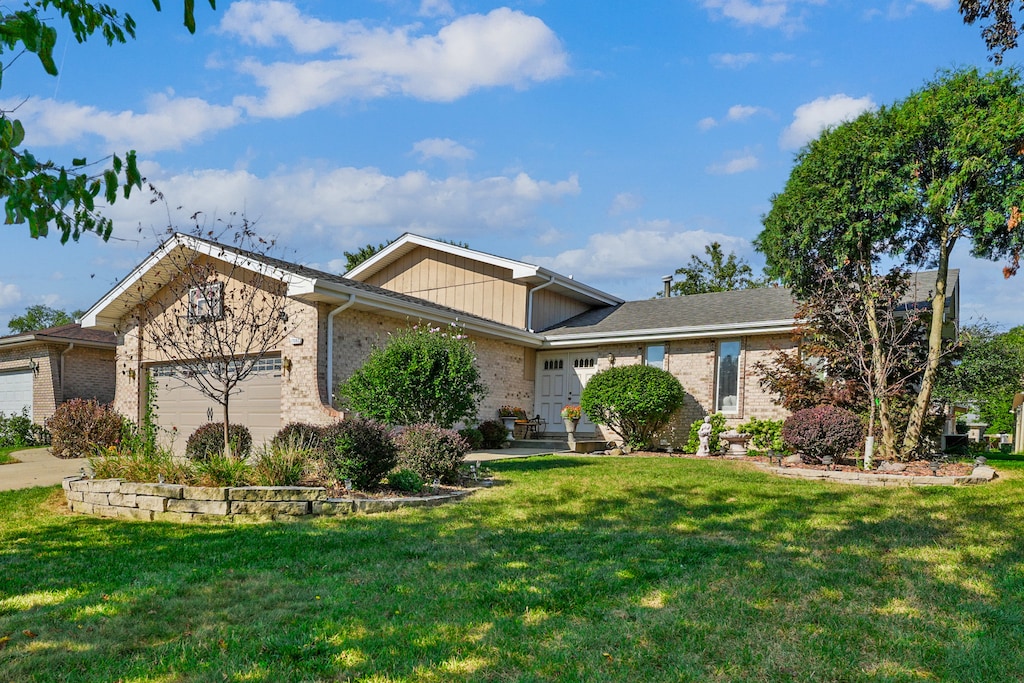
x,y
560,380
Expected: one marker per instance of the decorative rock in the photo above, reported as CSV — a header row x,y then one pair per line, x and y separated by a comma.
x,y
205,492
96,498
793,460
154,503
274,493
210,507
165,490
892,467
333,506
615,451
123,500
270,508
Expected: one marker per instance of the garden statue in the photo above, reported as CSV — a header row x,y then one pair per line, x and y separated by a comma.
x,y
704,434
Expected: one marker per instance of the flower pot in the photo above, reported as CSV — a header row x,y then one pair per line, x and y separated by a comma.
x,y
570,425
510,425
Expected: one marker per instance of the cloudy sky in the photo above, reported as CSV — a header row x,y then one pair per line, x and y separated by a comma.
x,y
606,140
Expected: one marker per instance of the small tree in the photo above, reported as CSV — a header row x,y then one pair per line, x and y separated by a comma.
x,y
222,311
423,374
40,317
634,401
720,273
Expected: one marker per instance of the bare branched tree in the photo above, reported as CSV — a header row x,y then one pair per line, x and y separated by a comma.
x,y
223,309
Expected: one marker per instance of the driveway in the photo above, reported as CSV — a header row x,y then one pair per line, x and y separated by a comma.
x,y
37,468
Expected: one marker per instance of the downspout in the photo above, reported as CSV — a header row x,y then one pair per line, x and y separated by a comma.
x,y
529,302
62,354
330,346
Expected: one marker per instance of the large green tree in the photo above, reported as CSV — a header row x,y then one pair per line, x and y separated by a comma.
x,y
999,26
719,273
988,373
45,193
908,183
39,317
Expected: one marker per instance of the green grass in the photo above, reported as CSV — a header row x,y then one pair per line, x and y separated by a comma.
x,y
5,454
576,569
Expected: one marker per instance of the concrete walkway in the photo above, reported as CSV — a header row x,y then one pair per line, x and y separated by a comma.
x,y
37,468
508,453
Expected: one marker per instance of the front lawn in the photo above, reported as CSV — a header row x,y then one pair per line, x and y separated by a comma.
x,y
577,569
5,454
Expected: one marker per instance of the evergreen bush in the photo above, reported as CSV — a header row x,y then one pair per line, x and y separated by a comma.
x,y
494,433
208,440
358,449
432,452
634,401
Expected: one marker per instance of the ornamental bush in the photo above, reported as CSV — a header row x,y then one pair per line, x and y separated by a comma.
x,y
765,435
80,427
299,435
634,401
405,480
823,430
423,374
474,436
494,433
357,449
208,441
19,430
432,452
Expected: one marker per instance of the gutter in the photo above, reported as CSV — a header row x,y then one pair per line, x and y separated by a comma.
x,y
746,329
330,346
529,302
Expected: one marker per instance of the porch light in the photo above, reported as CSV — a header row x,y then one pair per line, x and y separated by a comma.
x,y
934,465
826,460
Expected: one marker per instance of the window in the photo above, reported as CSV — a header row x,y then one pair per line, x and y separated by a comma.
x,y
206,302
654,356
728,384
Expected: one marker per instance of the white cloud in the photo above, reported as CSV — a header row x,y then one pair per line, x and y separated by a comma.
x,y
9,294
813,117
441,148
262,23
739,164
742,112
624,202
168,122
783,14
501,48
436,8
738,60
707,123
337,205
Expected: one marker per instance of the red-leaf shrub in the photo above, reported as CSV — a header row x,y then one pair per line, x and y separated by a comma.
x,y
79,426
432,452
823,430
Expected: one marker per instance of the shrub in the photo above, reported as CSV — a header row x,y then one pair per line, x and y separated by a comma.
x,y
139,466
473,436
717,427
281,464
19,430
358,449
765,435
405,480
423,374
299,435
432,452
494,433
634,401
219,469
208,440
824,430
79,426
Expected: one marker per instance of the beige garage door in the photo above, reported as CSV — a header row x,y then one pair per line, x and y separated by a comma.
x,y
256,403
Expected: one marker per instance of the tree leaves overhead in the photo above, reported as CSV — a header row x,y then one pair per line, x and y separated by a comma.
x,y
718,274
1002,32
44,193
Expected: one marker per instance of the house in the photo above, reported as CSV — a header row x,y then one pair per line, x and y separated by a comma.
x,y
539,335
40,370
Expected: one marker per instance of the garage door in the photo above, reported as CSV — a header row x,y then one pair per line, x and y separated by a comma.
x,y
16,392
256,403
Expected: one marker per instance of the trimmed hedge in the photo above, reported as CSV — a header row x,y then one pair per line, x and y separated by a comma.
x,y
358,449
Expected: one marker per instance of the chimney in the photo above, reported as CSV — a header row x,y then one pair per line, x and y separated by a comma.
x,y
668,285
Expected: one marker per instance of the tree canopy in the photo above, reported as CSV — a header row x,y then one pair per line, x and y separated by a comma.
x,y
45,193
907,183
39,317
719,273
1001,33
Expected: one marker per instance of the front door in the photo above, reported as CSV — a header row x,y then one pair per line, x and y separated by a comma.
x,y
560,380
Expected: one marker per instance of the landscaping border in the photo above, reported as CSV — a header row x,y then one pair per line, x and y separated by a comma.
x,y
180,503
980,475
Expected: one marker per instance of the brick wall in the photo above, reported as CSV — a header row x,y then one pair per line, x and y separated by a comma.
x,y
89,373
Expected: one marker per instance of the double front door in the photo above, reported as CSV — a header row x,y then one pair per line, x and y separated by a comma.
x,y
560,379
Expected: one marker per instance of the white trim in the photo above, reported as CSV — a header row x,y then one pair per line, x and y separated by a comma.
x,y
670,333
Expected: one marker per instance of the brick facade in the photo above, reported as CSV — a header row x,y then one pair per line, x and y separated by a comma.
x,y
88,373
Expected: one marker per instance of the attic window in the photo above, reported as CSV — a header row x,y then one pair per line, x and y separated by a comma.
x,y
206,302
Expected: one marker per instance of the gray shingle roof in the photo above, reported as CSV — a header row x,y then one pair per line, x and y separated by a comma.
x,y
64,333
738,307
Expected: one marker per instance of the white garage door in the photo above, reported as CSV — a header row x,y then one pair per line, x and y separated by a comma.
x,y
256,403
16,392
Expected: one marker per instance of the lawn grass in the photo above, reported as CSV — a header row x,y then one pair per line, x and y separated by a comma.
x,y
576,569
5,454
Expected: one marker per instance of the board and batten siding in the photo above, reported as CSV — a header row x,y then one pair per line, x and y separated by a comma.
x,y
551,308
478,288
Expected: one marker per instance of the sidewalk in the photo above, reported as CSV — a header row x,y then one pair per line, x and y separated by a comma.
x,y
507,454
37,468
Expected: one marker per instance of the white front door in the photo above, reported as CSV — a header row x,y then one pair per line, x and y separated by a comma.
x,y
560,380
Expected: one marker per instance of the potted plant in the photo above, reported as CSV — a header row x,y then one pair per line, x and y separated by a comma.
x,y
571,417
509,415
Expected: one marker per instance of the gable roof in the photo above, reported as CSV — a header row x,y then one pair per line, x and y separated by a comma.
x,y
73,333
745,311
303,283
521,272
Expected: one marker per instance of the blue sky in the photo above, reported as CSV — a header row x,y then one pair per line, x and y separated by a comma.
x,y
605,140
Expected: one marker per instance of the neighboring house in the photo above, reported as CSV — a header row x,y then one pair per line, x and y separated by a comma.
x,y
539,335
40,370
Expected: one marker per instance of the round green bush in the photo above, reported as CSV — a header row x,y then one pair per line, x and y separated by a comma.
x,y
358,449
208,440
80,427
432,452
494,433
634,401
823,430
405,480
474,436
299,435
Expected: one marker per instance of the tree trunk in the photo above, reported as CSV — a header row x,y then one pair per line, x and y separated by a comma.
x,y
879,395
227,427
912,439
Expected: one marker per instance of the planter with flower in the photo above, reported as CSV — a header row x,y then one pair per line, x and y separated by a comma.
x,y
571,417
509,415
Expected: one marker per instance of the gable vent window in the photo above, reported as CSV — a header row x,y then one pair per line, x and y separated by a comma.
x,y
554,364
206,303
584,363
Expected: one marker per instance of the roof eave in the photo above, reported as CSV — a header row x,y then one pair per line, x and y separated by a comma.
x,y
670,333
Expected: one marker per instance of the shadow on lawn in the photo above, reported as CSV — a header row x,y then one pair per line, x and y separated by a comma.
x,y
581,568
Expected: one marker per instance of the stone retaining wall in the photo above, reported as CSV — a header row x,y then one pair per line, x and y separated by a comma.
x,y
178,503
980,475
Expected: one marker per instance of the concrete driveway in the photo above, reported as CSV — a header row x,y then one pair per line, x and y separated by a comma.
x,y
37,468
